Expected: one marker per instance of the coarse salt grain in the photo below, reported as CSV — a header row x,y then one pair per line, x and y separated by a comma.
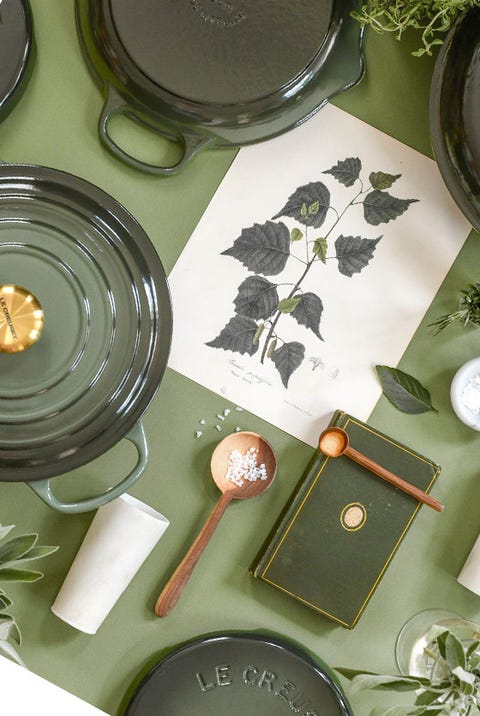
x,y
471,394
245,467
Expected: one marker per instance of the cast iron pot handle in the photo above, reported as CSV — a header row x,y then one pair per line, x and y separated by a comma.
x,y
115,105
43,489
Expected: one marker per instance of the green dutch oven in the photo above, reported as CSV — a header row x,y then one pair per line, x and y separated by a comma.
x,y
216,73
85,329
16,51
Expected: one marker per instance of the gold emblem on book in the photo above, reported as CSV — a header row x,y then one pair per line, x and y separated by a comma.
x,y
353,516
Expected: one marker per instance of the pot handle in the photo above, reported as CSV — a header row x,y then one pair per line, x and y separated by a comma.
x,y
43,489
115,105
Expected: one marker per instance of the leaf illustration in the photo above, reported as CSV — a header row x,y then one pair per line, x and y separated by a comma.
x,y
380,207
296,234
287,305
237,336
381,180
404,391
320,247
302,204
257,298
258,333
308,312
346,172
262,248
287,359
271,348
354,253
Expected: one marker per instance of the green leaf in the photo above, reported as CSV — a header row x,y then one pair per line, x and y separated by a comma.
x,y
381,180
11,574
305,197
38,552
384,682
354,253
259,332
257,298
4,530
426,697
380,207
262,248
454,652
271,348
320,247
287,305
466,680
10,652
393,711
5,602
296,234
237,336
346,171
404,391
9,629
287,359
17,547
308,312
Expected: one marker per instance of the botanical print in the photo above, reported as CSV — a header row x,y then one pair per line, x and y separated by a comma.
x,y
264,249
315,260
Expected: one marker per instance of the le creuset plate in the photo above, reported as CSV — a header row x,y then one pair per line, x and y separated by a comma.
x,y
107,322
16,43
234,674
455,113
217,73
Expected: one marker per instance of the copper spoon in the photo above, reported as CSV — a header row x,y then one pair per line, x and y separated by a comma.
x,y
242,442
334,442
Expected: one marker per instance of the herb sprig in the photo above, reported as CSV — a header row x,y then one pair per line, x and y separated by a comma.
x,y
468,310
432,17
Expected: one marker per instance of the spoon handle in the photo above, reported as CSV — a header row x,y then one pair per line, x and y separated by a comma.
x,y
174,587
393,479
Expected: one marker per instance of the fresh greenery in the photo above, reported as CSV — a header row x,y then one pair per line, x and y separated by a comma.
x,y
403,390
468,310
451,685
432,17
14,553
272,248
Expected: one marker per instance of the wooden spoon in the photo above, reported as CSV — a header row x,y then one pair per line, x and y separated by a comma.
x,y
242,442
334,442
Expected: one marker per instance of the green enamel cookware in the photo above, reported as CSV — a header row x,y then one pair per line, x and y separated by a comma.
x,y
16,52
216,73
77,263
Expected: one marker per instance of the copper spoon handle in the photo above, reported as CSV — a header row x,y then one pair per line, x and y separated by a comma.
x,y
385,474
174,587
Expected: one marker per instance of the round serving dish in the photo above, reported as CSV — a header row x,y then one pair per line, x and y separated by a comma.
x,y
455,113
16,52
212,73
465,393
107,328
232,674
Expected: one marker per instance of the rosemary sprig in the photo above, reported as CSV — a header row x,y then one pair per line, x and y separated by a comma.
x,y
432,17
468,310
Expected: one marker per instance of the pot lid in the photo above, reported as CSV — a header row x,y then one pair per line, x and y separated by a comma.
x,y
15,50
221,51
106,322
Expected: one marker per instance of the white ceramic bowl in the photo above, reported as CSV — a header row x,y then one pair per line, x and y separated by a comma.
x,y
461,379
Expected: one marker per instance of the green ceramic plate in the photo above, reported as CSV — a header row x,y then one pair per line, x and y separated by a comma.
x,y
234,674
455,113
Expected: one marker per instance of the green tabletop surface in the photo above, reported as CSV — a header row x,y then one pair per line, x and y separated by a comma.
x,y
54,124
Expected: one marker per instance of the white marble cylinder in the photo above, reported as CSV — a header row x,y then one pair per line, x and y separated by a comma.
x,y
119,539
470,575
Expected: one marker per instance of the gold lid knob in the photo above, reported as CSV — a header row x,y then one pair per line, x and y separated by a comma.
x,y
21,319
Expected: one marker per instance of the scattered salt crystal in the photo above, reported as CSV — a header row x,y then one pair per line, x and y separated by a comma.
x,y
226,412
202,421
238,429
198,433
220,416
218,427
239,409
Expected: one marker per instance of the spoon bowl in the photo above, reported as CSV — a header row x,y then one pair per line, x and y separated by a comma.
x,y
243,465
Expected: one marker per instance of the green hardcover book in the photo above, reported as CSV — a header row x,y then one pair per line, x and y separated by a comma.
x,y
341,528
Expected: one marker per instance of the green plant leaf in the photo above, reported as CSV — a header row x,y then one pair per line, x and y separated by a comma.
x,y
380,207
17,547
9,629
474,646
308,312
38,552
11,574
466,680
296,234
257,298
426,697
5,602
260,329
4,530
10,652
262,248
347,171
320,248
237,336
454,652
287,359
383,682
404,391
354,253
287,305
394,711
382,180
298,204
271,348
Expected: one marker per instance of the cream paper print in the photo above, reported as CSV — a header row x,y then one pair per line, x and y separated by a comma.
x,y
315,260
